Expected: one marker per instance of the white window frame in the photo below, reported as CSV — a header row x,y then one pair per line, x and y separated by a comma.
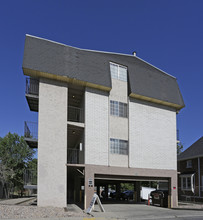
x,y
187,177
118,148
118,73
189,164
118,109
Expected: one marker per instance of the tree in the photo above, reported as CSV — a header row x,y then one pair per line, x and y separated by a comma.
x,y
5,175
32,171
15,154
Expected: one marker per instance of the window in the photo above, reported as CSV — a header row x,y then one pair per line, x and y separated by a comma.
x,y
118,146
189,164
187,182
118,109
118,72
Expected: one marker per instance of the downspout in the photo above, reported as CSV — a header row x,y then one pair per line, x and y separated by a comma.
x,y
199,176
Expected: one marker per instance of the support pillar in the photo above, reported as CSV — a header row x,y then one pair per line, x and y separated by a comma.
x,y
118,190
137,189
52,144
173,191
106,191
89,186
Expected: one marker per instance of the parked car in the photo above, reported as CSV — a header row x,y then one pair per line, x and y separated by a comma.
x,y
128,194
160,197
110,193
115,195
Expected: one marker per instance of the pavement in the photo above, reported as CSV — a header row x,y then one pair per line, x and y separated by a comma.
x,y
15,201
142,211
185,211
190,206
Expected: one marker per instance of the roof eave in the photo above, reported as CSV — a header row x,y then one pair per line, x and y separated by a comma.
x,y
40,74
188,158
157,101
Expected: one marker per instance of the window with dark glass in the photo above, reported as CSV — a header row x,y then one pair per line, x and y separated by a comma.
x,y
189,164
186,183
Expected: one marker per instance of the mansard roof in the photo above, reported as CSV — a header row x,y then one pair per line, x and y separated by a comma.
x,y
91,68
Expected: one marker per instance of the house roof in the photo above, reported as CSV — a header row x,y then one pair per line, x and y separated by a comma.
x,y
194,151
92,67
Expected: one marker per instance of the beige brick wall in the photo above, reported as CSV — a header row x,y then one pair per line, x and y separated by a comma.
x,y
118,126
152,136
96,127
52,144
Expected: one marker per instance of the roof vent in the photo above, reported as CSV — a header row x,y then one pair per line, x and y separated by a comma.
x,y
134,53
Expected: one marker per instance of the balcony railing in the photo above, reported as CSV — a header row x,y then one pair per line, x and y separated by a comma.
x,y
32,86
75,114
31,130
30,177
73,156
178,138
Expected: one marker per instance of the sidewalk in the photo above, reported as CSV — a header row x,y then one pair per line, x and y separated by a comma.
x,y
15,201
112,211
190,206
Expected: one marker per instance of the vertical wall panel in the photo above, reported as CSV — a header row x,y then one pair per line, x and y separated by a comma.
x,y
52,146
96,127
152,136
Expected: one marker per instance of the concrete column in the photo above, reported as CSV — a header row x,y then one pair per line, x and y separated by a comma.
x,y
173,190
106,191
135,193
89,189
137,189
52,144
118,189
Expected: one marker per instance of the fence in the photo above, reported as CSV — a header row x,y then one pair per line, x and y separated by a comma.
x,y
32,86
75,114
31,130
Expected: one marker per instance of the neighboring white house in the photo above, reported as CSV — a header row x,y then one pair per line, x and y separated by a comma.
x,y
103,118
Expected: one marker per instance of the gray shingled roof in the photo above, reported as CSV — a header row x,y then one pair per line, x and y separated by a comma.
x,y
93,67
195,150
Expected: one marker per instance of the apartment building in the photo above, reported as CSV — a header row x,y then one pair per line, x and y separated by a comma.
x,y
103,118
190,168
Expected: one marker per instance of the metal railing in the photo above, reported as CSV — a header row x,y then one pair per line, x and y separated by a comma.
x,y
31,130
32,86
75,114
178,138
30,177
73,156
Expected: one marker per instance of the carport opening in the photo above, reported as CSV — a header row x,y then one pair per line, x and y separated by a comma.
x,y
119,190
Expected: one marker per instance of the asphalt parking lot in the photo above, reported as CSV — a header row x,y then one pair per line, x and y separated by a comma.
x,y
142,211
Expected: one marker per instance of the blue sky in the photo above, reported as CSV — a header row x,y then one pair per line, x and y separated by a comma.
x,y
165,33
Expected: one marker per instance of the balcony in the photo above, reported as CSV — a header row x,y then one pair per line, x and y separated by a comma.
x,y
32,93
75,114
31,134
30,179
73,156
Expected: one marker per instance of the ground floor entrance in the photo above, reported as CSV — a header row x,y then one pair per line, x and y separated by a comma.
x,y
115,184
